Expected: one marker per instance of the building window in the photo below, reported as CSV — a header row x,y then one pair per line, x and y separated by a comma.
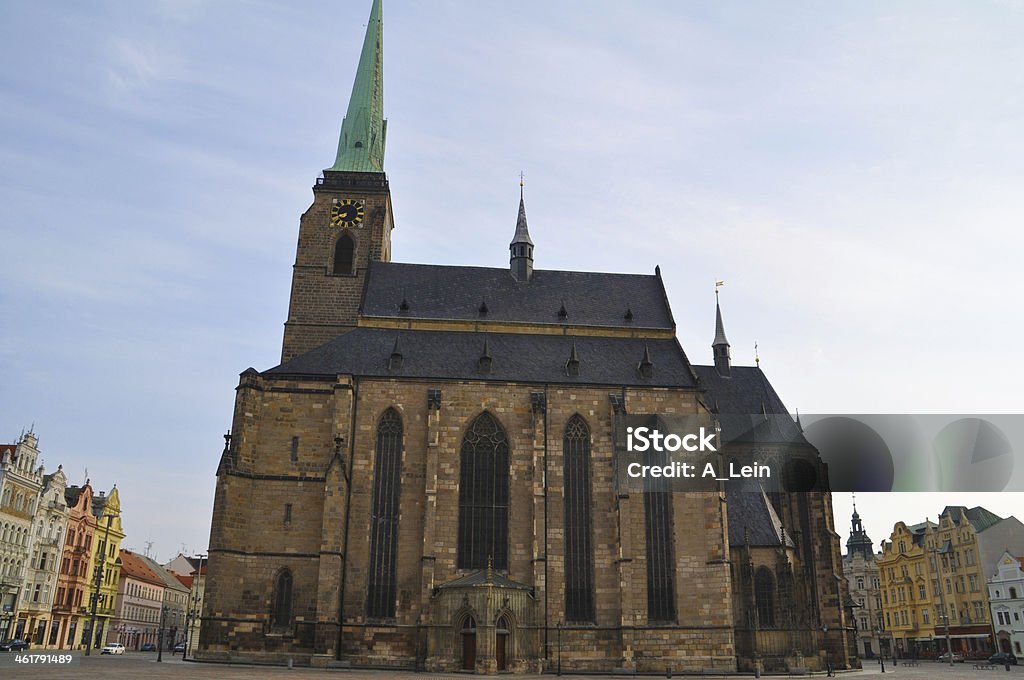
x,y
287,513
387,472
344,256
764,596
483,495
1013,592
281,618
860,583
579,567
295,449
658,526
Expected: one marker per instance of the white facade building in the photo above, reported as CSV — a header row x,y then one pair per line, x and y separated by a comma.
x,y
46,544
861,570
20,483
1006,598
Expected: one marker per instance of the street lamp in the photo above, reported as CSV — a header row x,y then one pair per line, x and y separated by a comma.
x,y
828,662
942,594
99,579
881,654
559,648
160,635
194,611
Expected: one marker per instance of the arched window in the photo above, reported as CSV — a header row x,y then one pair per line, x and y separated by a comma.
x,y
764,596
344,255
282,614
483,495
380,601
579,561
658,528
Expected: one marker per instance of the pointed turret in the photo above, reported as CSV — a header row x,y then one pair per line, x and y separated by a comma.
x,y
572,366
363,132
521,248
720,347
859,542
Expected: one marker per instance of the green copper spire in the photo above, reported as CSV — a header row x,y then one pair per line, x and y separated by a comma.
x,y
363,132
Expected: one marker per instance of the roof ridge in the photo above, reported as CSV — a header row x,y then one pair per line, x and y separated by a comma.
x,y
504,270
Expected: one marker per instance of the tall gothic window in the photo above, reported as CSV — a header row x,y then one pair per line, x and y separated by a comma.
x,y
764,596
387,483
344,255
579,563
281,617
661,591
483,495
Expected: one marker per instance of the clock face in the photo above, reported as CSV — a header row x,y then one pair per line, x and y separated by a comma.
x,y
346,212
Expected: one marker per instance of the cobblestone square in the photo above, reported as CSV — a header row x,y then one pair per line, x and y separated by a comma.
x,y
144,665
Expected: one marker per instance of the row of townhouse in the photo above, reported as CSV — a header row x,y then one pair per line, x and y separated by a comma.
x,y
152,604
951,584
59,553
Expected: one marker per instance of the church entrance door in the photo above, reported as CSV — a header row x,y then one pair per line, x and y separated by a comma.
x,y
501,643
469,644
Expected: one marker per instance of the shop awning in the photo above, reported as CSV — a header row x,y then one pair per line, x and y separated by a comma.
x,y
977,636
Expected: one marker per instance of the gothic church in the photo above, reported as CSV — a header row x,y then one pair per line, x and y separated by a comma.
x,y
426,480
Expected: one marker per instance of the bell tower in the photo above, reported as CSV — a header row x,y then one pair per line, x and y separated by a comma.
x,y
350,221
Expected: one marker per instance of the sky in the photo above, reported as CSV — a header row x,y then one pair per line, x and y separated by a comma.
x,y
852,172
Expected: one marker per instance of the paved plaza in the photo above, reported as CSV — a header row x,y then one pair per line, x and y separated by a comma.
x,y
143,666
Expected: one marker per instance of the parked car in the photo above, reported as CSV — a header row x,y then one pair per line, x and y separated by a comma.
x,y
1003,658
113,648
149,647
957,658
180,648
14,645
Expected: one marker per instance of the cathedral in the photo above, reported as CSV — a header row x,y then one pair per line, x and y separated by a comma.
x,y
427,479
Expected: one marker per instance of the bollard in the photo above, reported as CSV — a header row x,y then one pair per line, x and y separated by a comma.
x,y
290,663
668,671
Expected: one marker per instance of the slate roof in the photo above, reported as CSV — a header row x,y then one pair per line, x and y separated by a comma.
x,y
752,519
980,518
444,355
456,293
169,579
744,393
98,503
71,495
917,531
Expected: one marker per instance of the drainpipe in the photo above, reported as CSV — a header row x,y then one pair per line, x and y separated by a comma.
x,y
348,513
547,585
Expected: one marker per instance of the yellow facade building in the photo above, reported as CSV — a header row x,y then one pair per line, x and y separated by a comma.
x,y
933,582
107,545
907,606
